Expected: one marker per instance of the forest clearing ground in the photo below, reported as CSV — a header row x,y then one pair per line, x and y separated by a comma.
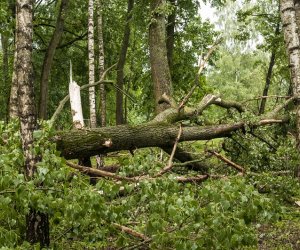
x,y
283,234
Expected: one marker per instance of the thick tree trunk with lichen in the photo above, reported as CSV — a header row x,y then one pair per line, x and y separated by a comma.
x,y
161,132
37,225
121,64
83,143
160,70
48,59
292,43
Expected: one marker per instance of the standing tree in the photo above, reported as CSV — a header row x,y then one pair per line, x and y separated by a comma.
x,y
269,72
91,52
160,70
37,224
5,70
171,32
13,99
101,64
48,59
292,42
121,64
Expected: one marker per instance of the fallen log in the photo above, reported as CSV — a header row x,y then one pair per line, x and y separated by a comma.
x,y
89,142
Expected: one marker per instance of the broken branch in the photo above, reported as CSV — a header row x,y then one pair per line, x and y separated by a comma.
x,y
67,97
170,163
229,162
130,231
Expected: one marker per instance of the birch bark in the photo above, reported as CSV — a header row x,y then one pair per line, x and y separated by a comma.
x,y
37,224
292,43
101,63
92,96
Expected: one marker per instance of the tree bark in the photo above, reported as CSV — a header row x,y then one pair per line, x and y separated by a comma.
x,y
269,73
160,70
101,64
91,52
5,75
291,37
48,59
297,13
171,33
37,225
13,99
83,143
121,64
292,43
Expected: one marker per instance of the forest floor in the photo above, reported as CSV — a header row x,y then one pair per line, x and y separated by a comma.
x,y
283,234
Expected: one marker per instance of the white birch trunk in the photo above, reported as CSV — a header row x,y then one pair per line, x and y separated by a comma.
x,y
93,118
101,63
292,44
75,100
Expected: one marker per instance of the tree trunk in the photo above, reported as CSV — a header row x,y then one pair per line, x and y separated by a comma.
x,y
160,70
48,59
83,143
5,75
101,64
37,225
292,43
297,13
171,33
75,102
13,99
269,74
121,64
91,52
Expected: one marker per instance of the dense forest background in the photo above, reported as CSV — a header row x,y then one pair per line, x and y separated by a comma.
x,y
190,131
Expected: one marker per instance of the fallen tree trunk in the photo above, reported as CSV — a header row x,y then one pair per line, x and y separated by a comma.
x,y
89,142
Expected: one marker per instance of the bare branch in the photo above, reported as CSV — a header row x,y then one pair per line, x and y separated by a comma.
x,y
229,104
170,163
273,113
136,179
196,179
171,115
98,172
229,162
131,231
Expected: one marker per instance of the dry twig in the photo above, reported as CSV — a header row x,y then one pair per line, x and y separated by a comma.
x,y
229,162
170,162
130,231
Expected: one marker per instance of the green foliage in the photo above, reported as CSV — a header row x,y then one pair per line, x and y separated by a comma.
x,y
262,152
219,214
